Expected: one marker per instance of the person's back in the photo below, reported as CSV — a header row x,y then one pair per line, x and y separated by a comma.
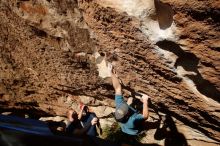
x,y
71,126
133,125
86,117
129,119
85,120
74,125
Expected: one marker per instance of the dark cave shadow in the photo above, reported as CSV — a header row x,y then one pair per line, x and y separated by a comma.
x,y
170,133
164,14
73,91
148,144
32,113
190,62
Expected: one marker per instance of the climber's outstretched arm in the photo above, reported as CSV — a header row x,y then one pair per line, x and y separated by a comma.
x,y
145,113
116,84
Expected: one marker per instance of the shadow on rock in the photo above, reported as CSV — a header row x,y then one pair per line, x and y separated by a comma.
x,y
190,62
170,133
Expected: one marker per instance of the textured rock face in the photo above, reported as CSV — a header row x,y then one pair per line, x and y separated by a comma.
x,y
168,49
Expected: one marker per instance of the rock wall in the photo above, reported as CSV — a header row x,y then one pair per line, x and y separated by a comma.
x,y
167,49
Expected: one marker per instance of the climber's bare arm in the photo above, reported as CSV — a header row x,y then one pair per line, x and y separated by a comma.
x,y
80,113
116,84
145,113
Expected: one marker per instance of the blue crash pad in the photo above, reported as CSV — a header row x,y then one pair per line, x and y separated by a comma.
x,y
24,125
